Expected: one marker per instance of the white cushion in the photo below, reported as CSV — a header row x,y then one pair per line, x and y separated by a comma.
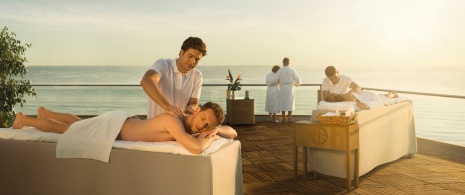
x,y
339,106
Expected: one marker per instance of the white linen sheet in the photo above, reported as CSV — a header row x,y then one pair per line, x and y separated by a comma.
x,y
33,134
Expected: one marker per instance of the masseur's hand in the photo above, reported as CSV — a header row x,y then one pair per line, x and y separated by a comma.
x,y
190,109
175,111
347,96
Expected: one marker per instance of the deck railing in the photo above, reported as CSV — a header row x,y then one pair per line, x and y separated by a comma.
x,y
416,93
259,85
436,115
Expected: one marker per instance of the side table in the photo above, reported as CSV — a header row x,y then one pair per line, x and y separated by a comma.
x,y
240,111
332,137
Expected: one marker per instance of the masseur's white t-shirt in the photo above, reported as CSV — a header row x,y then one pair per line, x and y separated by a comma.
x,y
341,87
176,87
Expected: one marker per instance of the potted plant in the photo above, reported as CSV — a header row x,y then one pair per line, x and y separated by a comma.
x,y
13,86
234,85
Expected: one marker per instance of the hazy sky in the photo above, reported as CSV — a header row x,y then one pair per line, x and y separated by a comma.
x,y
241,32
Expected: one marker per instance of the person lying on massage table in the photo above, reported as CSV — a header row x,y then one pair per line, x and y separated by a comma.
x,y
165,127
364,99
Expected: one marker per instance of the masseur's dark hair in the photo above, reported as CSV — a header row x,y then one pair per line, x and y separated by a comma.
x,y
195,43
330,71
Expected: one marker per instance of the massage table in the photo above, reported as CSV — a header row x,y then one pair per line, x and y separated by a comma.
x,y
31,167
385,134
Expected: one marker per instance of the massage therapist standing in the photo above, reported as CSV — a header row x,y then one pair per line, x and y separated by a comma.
x,y
174,85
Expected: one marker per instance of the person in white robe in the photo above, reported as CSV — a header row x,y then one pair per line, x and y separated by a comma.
x,y
288,79
272,94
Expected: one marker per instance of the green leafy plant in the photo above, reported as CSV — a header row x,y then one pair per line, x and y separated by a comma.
x,y
236,85
13,90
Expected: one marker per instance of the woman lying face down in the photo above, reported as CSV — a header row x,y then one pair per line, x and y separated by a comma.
x,y
352,97
206,120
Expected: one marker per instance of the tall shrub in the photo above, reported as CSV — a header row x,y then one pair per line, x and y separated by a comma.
x,y
13,86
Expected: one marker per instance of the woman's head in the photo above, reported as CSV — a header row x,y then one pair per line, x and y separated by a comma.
x,y
275,68
334,98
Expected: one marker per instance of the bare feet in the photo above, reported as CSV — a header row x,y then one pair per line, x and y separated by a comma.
x,y
392,94
41,112
18,124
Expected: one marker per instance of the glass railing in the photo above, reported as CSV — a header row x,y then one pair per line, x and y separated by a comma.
x,y
439,117
94,99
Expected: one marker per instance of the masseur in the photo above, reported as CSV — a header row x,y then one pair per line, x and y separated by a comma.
x,y
174,85
338,84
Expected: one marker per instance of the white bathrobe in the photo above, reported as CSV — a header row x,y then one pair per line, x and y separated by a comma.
x,y
288,77
272,93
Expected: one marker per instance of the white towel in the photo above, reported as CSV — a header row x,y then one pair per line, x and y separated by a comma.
x,y
33,134
92,138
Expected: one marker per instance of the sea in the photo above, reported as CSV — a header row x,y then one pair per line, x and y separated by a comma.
x,y
436,118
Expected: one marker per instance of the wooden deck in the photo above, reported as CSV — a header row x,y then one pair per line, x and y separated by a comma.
x,y
267,164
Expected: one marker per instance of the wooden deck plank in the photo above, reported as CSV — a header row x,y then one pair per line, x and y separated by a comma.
x,y
267,165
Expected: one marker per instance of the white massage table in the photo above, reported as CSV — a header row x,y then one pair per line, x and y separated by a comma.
x,y
386,134
31,167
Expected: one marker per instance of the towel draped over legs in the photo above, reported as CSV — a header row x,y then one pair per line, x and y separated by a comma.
x,y
92,138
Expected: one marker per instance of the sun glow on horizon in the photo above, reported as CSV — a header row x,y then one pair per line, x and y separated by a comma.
x,y
316,33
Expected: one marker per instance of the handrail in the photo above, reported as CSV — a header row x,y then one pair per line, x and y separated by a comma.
x,y
213,85
416,93
85,85
126,85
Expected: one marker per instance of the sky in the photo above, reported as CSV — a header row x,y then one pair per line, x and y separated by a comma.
x,y
348,33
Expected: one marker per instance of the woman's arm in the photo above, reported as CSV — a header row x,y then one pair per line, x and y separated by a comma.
x,y
361,105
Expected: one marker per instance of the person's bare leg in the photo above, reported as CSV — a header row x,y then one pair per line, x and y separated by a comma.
x,y
17,124
43,113
273,118
289,116
284,116
269,117
42,124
